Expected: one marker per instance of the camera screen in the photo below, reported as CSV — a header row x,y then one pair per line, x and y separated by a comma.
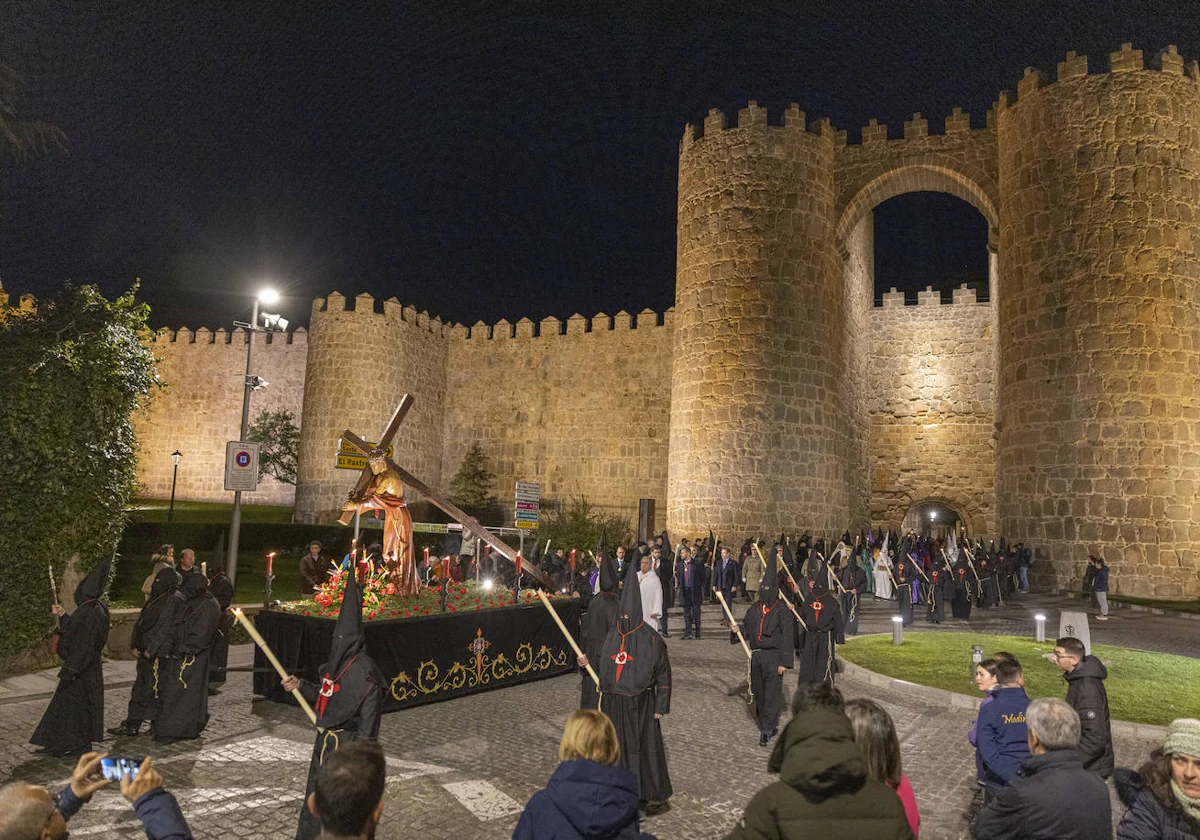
x,y
114,768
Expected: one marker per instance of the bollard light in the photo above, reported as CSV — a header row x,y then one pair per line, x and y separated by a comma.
x,y
1040,624
897,630
976,657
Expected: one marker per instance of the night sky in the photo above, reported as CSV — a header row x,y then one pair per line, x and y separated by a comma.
x,y
481,160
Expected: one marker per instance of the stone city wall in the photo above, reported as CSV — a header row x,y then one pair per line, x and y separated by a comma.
x,y
932,407
580,406
200,409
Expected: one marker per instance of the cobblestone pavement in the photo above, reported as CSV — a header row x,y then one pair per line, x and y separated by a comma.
x,y
462,769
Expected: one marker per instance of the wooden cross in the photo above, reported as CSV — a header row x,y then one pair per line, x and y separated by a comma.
x,y
469,523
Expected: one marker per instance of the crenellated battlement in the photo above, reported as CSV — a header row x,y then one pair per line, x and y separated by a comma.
x,y
366,305
577,324
205,336
964,295
754,117
1124,60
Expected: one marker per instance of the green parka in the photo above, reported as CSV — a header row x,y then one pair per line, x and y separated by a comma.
x,y
823,790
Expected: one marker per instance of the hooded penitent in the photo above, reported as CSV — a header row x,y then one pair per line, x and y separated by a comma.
x,y
93,584
768,587
338,699
631,600
609,582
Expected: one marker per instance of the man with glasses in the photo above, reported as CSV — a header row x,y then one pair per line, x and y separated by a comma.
x,y
28,812
1085,675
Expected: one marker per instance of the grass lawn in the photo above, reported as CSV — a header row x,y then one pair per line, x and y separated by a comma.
x,y
1142,687
202,513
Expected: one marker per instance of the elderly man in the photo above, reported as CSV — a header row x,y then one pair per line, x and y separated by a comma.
x,y
1051,795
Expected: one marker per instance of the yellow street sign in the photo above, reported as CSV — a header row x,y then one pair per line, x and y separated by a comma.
x,y
349,458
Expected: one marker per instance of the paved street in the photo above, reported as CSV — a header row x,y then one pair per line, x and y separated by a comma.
x,y
463,768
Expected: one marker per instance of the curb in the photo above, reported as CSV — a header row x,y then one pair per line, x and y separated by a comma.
x,y
46,695
954,700
1121,605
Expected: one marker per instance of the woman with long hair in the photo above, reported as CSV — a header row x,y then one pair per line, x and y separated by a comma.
x,y
875,735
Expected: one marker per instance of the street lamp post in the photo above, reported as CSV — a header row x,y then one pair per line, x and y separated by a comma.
x,y
175,456
269,297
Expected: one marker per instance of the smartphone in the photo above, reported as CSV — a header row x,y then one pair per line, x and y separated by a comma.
x,y
115,768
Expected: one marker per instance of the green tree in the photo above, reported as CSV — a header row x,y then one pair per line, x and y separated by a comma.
x,y
74,369
578,525
21,139
279,444
471,487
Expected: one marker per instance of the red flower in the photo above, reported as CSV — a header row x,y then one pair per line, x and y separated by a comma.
x,y
306,612
452,608
476,600
426,612
408,614
477,608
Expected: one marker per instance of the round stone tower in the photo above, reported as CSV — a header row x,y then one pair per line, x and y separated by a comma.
x,y
360,362
1099,321
757,438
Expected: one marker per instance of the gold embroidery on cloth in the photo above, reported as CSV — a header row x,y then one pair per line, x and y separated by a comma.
x,y
480,669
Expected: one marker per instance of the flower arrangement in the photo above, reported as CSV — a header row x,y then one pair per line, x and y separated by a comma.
x,y
381,603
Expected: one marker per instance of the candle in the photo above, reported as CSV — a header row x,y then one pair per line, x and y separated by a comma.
x,y
204,567
270,562
572,559
518,564
426,554
446,568
283,675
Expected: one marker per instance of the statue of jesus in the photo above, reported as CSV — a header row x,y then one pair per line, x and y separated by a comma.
x,y
385,491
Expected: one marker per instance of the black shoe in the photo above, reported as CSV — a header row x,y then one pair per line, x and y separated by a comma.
x,y
666,635
763,738
653,809
125,729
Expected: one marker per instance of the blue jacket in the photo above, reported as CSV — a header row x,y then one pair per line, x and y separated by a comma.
x,y
583,801
157,809
727,576
1003,736
697,591
1100,580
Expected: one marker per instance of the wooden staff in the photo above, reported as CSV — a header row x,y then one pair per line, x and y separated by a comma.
x,y
570,639
793,609
829,572
737,628
283,674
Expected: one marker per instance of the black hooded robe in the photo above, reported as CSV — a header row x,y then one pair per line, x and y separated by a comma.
x,y
635,685
141,698
75,716
825,631
600,618
990,596
854,581
936,613
183,657
769,630
904,578
349,700
221,589
960,606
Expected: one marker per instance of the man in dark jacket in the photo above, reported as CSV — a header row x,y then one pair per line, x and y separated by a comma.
x,y
1086,694
1002,733
1051,795
823,789
691,578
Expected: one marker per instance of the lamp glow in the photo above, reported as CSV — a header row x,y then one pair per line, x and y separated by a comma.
x,y
897,630
1039,627
268,296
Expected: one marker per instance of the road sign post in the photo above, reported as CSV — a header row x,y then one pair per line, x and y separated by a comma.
x,y
528,498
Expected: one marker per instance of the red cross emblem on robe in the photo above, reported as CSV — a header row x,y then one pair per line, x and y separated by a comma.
x,y
328,687
621,657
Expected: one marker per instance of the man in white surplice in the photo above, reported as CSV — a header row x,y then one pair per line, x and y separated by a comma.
x,y
652,594
883,565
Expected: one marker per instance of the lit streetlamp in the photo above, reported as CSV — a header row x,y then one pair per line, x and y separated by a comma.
x,y
175,456
274,323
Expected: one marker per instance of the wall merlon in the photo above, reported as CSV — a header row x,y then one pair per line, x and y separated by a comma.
x,y
408,313
918,126
502,330
714,122
793,117
524,329
364,302
204,336
874,132
893,299
601,321
965,294
550,326
1168,60
1193,70
480,331
958,121
392,309
333,302
929,297
577,325
1031,81
752,115
622,321
183,335
689,137
1125,59
1075,65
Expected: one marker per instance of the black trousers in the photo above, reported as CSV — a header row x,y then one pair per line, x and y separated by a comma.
x,y
691,619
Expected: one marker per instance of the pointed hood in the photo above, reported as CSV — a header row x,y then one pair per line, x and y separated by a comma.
x,y
93,584
609,580
630,614
768,587
165,582
348,638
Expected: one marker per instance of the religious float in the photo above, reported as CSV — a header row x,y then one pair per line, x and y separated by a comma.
x,y
430,644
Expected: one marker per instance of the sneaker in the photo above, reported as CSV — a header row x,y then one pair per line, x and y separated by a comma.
x,y
1102,618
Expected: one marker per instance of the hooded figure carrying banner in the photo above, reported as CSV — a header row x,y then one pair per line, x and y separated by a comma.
x,y
769,629
818,643
75,716
635,692
141,697
598,621
348,702
182,643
